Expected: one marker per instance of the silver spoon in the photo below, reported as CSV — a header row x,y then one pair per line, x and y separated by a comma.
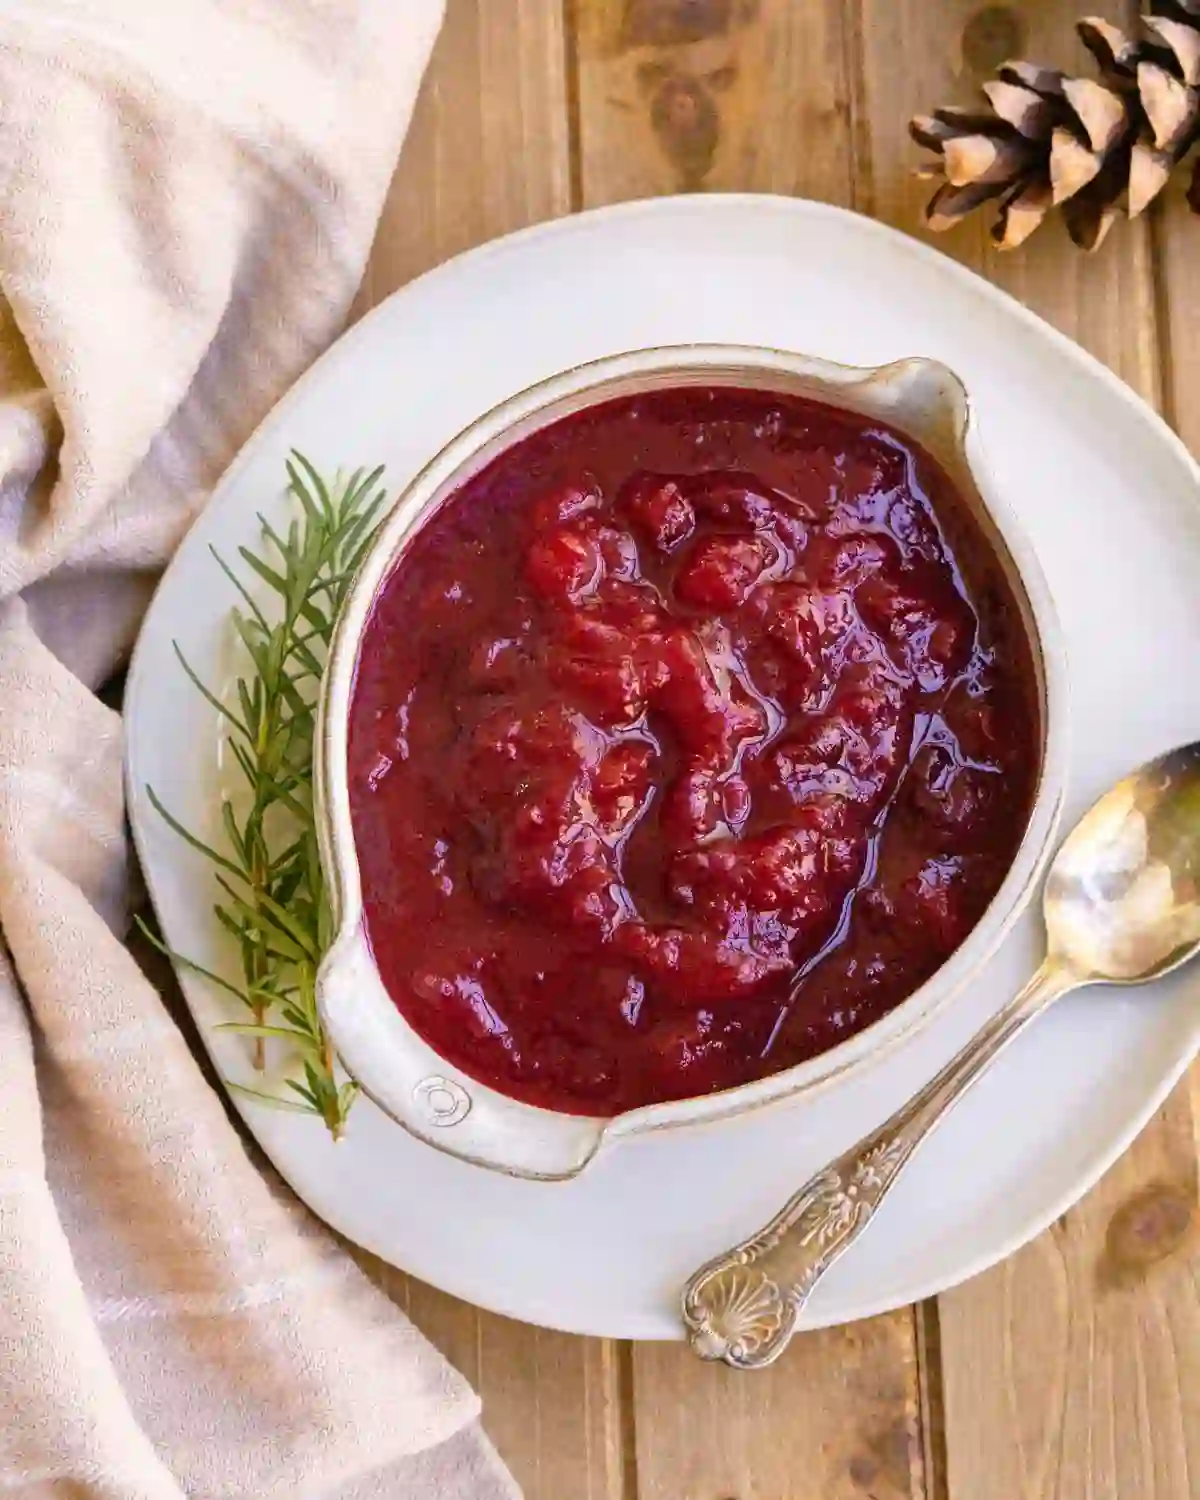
x,y
1121,905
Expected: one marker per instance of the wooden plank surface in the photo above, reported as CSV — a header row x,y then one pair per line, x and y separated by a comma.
x,y
724,95
837,1419
488,150
1072,1372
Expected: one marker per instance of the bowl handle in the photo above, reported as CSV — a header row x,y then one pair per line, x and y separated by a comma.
x,y
433,1100
924,398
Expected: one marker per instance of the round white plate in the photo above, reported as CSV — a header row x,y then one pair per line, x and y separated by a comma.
x,y
1107,495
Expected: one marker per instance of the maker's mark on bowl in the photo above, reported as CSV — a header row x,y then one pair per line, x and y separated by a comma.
x,y
443,1101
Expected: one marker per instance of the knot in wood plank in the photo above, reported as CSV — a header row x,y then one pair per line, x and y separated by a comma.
x,y
1147,1228
686,121
673,23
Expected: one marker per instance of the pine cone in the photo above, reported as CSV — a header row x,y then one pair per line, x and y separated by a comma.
x,y
1090,146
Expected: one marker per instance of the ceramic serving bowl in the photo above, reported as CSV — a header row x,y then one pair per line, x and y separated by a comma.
x,y
405,1076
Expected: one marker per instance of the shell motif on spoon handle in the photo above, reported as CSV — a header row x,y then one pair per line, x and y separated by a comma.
x,y
743,1306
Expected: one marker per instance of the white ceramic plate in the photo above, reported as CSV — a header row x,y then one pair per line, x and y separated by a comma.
x,y
1108,497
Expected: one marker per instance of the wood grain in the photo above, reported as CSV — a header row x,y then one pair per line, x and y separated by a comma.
x,y
488,150
724,95
676,95
488,153
552,1403
837,1419
1073,1371
1177,240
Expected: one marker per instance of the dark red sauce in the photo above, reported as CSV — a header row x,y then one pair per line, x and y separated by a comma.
x,y
688,738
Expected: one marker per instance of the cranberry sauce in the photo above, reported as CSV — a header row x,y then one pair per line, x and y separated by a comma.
x,y
688,738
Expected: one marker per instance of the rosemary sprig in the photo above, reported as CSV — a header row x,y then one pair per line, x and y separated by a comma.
x,y
273,900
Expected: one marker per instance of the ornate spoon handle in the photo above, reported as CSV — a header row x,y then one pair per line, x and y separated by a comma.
x,y
743,1306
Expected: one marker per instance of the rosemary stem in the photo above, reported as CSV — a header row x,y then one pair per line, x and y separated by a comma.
x,y
275,906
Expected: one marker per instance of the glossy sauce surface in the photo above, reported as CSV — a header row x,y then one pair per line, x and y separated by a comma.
x,y
688,738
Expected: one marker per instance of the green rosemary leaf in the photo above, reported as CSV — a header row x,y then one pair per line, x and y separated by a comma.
x,y
305,657
363,525
232,832
300,1039
250,711
293,696
358,486
304,580
334,584
355,561
322,626
260,650
242,756
190,838
215,702
281,794
287,857
278,581
236,929
308,504
292,559
295,1017
260,927
272,1100
272,536
298,461
247,598
292,549
312,1100
186,963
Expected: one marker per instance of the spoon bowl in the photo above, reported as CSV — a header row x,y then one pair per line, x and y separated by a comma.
x,y
1122,899
1121,905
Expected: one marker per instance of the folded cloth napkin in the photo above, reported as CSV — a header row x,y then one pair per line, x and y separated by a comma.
x,y
188,190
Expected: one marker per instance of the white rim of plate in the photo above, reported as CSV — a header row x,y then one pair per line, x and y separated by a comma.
x,y
343,348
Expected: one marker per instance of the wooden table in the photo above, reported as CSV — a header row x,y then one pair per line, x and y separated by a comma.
x,y
1073,1371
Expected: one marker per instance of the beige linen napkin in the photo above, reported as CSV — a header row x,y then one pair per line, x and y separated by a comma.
x,y
188,190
